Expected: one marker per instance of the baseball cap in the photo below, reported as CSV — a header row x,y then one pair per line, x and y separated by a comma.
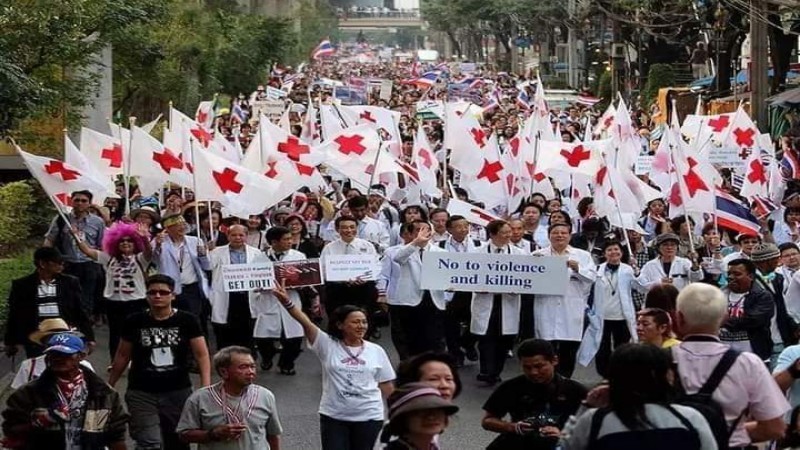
x,y
65,343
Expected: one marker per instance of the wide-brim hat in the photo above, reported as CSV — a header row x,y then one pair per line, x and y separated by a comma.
x,y
418,397
47,328
146,210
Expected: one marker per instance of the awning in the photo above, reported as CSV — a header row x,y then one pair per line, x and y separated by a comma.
x,y
785,98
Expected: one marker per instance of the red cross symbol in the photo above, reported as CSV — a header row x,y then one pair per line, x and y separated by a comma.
x,y
482,214
489,171
426,158
64,199
514,145
719,123
202,136
366,115
576,156
601,175
305,170
201,116
113,155
757,173
293,148
744,138
693,181
351,144
58,167
271,173
538,177
226,180
478,136
167,161
607,123
511,184
675,195
187,163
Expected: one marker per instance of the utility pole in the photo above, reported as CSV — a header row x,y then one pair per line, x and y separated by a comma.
x,y
571,44
759,85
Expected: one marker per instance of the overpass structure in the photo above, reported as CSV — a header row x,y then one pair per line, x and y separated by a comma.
x,y
380,22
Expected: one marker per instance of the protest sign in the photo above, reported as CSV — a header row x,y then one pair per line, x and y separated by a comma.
x,y
248,277
727,156
644,164
499,273
273,109
386,90
351,267
296,274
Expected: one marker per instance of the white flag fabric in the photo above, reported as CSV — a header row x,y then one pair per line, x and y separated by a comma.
x,y
103,151
59,179
472,213
73,157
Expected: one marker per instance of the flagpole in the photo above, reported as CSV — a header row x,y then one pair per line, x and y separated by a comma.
x,y
444,148
211,239
616,200
194,189
126,170
535,161
683,197
375,166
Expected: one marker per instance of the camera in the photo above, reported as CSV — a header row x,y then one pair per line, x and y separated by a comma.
x,y
540,420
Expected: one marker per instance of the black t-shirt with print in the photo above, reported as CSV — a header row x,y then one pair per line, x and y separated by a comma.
x,y
161,349
523,399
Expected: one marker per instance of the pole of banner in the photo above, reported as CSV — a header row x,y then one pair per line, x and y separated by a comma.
x,y
619,210
445,149
210,226
261,146
375,166
535,160
716,224
194,189
126,169
169,117
683,197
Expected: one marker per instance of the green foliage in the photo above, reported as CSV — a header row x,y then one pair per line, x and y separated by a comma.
x,y
17,266
659,76
45,44
15,200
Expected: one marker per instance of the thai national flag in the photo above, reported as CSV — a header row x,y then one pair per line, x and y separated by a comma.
x,y
790,165
239,114
734,215
523,99
427,78
325,48
588,100
762,206
442,66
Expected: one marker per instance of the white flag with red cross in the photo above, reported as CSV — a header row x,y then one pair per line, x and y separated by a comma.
x,y
466,139
357,153
426,164
59,179
472,213
74,158
571,157
756,176
386,121
103,151
243,192
205,114
155,163
742,135
489,184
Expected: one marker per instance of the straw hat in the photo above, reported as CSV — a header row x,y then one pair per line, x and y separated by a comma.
x,y
47,328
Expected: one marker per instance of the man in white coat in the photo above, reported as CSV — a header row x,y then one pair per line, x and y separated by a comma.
x,y
416,315
230,311
668,267
612,317
559,318
273,322
495,317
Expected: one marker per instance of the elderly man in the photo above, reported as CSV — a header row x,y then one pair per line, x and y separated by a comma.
x,y
751,401
67,407
210,420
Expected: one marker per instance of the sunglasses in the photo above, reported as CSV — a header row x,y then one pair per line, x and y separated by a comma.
x,y
158,292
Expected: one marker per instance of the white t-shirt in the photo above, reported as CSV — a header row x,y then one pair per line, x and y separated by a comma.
x,y
350,390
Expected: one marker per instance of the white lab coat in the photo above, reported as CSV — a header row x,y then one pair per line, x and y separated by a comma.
x,y
271,316
481,306
680,272
602,291
219,299
560,317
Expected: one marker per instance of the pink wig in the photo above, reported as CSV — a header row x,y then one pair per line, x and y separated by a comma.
x,y
120,230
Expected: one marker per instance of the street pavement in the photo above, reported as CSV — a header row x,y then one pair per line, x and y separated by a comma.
x,y
298,397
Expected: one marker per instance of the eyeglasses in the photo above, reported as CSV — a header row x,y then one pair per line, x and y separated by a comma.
x,y
158,292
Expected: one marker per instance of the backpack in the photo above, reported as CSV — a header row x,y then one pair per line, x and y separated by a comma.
x,y
651,439
703,402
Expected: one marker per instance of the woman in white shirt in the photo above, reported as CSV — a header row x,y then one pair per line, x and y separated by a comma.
x,y
668,267
126,255
356,376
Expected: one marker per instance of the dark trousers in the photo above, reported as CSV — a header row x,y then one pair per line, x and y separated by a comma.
x,y
364,296
154,417
616,331
493,346
417,329
457,317
191,299
87,273
289,353
526,325
341,435
567,352
239,329
117,312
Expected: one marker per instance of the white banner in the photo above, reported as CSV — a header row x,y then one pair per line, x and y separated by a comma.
x,y
499,273
248,277
386,90
351,267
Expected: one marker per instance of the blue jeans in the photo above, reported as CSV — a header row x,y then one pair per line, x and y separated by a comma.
x,y
343,435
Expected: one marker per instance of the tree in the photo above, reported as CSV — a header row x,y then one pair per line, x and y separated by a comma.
x,y
44,45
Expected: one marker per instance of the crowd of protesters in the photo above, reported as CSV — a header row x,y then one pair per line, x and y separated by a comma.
x,y
696,339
